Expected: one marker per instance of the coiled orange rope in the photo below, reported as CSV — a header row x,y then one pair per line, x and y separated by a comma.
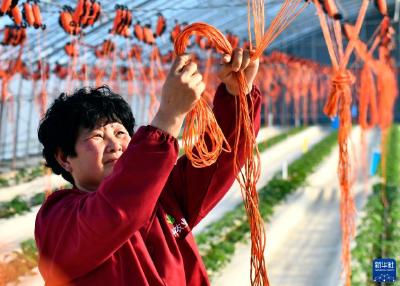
x,y
200,121
251,172
201,125
339,102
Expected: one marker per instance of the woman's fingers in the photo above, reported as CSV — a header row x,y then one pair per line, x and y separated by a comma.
x,y
230,63
245,60
192,78
201,87
196,78
226,58
237,59
180,62
189,70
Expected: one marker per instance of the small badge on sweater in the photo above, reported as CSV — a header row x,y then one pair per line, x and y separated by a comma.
x,y
179,228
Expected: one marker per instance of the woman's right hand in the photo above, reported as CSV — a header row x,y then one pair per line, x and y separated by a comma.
x,y
182,89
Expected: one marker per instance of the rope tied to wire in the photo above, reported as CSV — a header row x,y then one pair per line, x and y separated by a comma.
x,y
339,102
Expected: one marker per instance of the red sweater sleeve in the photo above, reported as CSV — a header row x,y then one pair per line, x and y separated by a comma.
x,y
198,190
76,232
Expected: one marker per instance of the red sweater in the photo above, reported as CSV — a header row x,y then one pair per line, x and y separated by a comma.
x,y
136,228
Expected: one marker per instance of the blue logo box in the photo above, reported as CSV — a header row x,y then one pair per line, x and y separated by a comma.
x,y
384,270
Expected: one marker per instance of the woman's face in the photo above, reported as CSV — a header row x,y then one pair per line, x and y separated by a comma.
x,y
97,152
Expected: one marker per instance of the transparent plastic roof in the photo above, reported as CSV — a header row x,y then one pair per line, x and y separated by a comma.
x,y
225,15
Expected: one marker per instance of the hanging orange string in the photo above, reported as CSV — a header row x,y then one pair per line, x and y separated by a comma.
x,y
192,136
314,97
367,90
367,93
71,71
386,81
206,77
100,71
296,79
157,61
152,88
305,87
339,103
5,95
131,72
367,99
201,124
161,72
113,74
367,105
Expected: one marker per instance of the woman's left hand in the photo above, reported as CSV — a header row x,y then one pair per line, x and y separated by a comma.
x,y
238,61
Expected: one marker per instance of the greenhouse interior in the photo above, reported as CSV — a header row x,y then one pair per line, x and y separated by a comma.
x,y
260,142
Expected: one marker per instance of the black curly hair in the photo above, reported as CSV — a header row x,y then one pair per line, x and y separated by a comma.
x,y
85,108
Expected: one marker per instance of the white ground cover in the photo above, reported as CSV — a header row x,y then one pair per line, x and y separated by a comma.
x,y
31,188
15,230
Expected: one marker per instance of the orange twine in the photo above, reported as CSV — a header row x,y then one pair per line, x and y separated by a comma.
x,y
201,123
339,102
367,99
367,102
152,89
